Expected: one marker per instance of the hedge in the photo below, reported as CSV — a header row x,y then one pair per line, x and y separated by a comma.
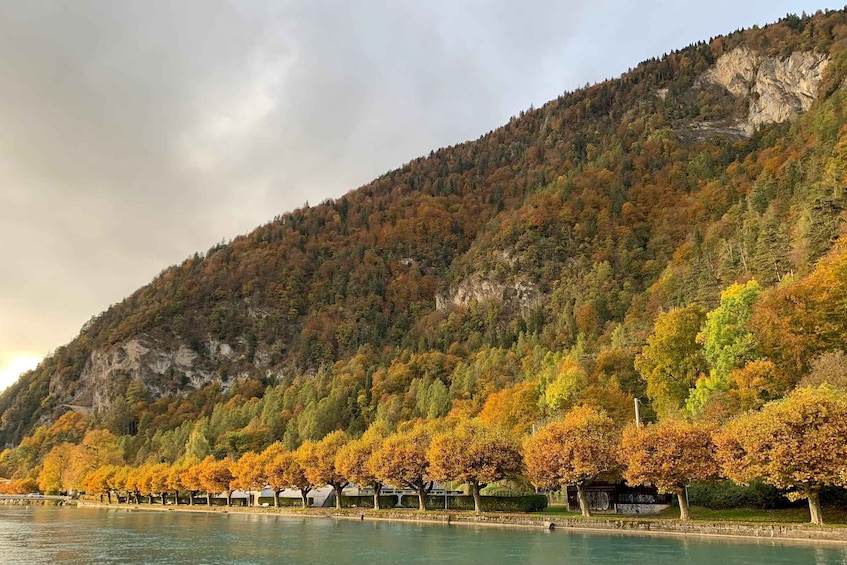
x,y
527,503
285,501
367,501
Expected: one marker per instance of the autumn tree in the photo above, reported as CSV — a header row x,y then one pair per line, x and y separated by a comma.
x,y
794,443
402,460
98,481
515,408
174,479
248,473
476,454
805,318
564,384
216,476
285,469
353,459
132,484
574,451
190,479
669,454
318,459
58,471
672,359
161,478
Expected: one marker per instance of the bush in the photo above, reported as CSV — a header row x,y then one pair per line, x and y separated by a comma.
x,y
367,501
285,501
527,503
727,494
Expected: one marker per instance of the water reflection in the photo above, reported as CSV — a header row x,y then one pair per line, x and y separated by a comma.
x,y
38,535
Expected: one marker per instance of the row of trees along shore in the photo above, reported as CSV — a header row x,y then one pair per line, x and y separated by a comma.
x,y
795,444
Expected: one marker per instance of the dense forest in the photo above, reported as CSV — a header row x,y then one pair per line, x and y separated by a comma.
x,y
626,240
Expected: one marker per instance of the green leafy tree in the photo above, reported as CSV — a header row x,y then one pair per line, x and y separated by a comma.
x,y
672,359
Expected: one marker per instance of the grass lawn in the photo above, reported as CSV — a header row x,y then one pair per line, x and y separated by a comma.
x,y
831,515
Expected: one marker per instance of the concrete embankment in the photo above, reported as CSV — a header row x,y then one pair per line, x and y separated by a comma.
x,y
607,524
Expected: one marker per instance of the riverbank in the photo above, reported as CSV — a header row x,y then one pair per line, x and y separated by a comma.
x,y
644,526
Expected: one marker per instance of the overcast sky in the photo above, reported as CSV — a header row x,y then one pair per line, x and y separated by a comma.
x,y
136,133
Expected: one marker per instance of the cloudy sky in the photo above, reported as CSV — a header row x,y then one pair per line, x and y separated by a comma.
x,y
135,133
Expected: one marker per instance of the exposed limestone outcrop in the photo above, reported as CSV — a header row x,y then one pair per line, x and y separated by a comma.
x,y
476,288
778,89
162,368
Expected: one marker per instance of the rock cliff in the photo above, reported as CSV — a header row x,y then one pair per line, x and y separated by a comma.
x,y
778,89
162,368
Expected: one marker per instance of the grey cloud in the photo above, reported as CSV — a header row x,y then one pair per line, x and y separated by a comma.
x,y
134,133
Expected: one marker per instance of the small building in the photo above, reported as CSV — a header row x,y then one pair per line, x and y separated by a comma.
x,y
620,498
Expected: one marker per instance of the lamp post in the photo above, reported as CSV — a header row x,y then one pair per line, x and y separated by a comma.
x,y
637,412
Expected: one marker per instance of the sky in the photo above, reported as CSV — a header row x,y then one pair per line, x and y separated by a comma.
x,y
136,133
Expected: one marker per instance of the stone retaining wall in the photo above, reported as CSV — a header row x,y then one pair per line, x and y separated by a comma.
x,y
786,532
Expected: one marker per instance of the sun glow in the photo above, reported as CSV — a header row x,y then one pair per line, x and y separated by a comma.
x,y
14,364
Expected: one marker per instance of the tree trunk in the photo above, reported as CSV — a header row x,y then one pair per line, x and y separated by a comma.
x,y
229,498
208,499
176,498
583,499
422,492
815,507
191,494
276,498
684,512
150,498
109,496
377,489
477,499
303,493
164,498
338,487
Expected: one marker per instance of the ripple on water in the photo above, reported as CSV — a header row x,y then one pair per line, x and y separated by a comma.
x,y
42,535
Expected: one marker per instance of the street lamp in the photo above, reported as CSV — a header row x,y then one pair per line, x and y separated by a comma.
x,y
637,412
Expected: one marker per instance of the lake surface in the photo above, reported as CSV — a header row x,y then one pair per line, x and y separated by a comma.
x,y
39,534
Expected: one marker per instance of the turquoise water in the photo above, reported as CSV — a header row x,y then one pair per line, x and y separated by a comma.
x,y
38,534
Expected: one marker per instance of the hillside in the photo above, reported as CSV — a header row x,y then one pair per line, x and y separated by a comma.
x,y
514,276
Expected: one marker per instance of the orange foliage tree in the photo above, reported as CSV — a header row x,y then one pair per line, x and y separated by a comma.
x,y
402,461
474,453
670,454
795,443
576,450
354,458
216,476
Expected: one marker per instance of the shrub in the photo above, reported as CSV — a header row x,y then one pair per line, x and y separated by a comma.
x,y
527,503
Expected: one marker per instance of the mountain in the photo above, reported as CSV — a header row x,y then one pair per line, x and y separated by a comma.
x,y
519,273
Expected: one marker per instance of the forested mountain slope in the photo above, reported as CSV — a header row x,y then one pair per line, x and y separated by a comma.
x,y
512,276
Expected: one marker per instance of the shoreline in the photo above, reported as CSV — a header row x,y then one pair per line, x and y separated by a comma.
x,y
740,531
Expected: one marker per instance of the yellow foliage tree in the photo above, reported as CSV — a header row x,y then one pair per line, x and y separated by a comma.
x,y
190,479
795,443
353,460
318,459
669,454
58,471
285,469
248,473
216,476
515,408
